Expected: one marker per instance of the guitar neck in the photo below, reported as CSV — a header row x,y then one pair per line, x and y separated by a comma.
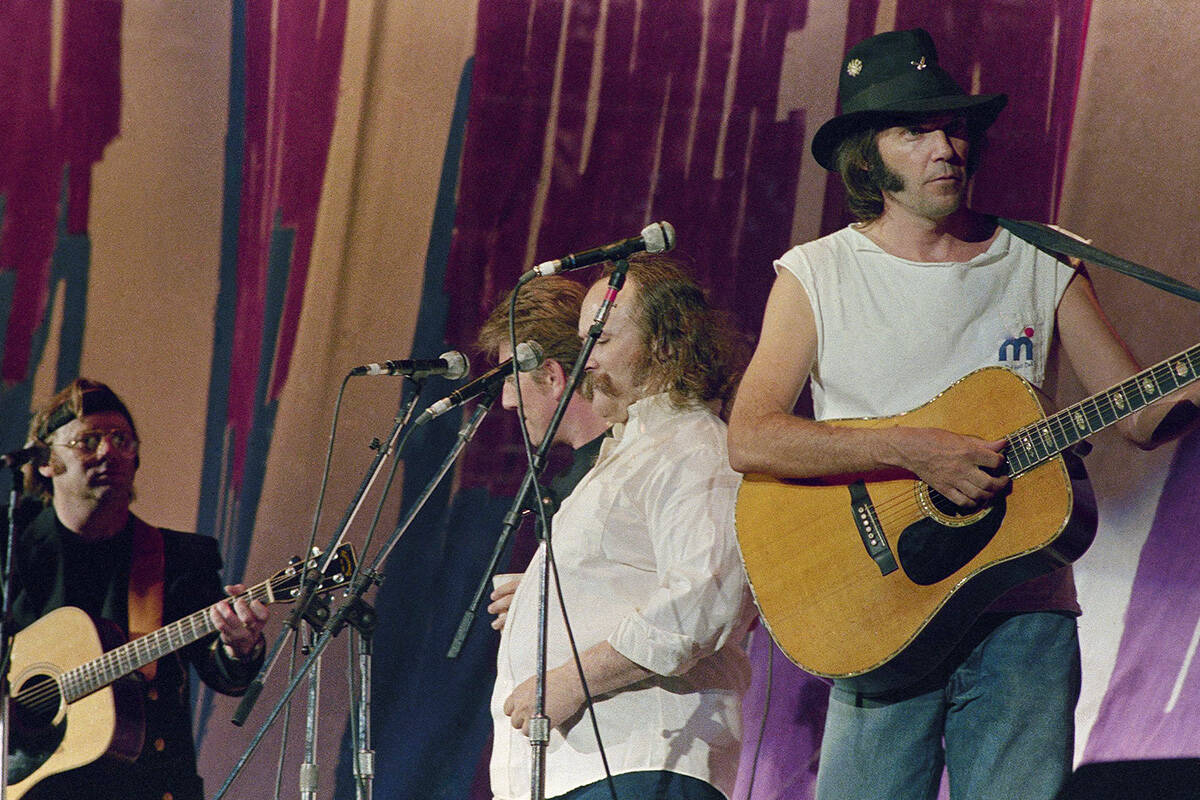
x,y
120,661
1046,438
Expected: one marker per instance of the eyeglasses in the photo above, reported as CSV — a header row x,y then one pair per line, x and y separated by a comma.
x,y
89,441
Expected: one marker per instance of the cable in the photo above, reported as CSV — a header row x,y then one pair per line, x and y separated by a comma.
x,y
587,695
762,728
544,521
312,540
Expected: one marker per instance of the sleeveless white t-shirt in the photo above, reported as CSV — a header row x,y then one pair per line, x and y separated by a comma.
x,y
893,333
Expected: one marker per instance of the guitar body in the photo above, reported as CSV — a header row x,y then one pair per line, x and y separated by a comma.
x,y
50,736
71,700
871,579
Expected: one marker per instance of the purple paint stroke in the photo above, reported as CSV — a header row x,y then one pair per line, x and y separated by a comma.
x,y
287,136
729,220
786,767
45,141
1151,705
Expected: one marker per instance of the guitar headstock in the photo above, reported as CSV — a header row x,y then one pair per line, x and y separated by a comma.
x,y
285,584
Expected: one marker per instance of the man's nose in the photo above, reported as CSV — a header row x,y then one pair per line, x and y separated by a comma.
x,y
940,140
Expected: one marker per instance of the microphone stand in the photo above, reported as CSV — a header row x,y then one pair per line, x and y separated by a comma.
x,y
539,723
312,577
14,496
316,617
364,758
314,609
350,612
308,770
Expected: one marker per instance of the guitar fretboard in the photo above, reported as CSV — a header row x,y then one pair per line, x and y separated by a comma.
x,y
1037,443
120,661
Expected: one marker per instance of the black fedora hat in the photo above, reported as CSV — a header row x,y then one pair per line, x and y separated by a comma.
x,y
893,75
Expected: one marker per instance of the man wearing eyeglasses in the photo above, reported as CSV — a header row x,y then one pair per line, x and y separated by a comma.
x,y
85,548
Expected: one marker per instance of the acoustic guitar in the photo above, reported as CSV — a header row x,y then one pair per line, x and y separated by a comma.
x,y
874,578
67,708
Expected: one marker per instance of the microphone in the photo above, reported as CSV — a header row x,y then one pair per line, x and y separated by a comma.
x,y
529,357
452,366
18,457
655,238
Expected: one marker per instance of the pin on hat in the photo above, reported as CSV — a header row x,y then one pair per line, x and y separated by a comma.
x,y
896,74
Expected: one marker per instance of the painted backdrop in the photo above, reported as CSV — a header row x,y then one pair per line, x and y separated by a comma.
x,y
220,209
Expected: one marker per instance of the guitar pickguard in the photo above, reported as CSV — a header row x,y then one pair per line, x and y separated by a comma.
x,y
931,551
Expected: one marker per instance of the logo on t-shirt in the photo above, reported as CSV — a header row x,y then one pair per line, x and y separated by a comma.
x,y
1017,348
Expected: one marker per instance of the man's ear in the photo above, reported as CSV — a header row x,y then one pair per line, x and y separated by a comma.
x,y
553,372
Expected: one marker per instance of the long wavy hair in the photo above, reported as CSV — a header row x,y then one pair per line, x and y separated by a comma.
x,y
691,349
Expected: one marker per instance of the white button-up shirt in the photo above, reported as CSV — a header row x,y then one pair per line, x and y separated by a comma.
x,y
648,561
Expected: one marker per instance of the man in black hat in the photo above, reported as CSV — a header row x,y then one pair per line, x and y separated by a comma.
x,y
881,316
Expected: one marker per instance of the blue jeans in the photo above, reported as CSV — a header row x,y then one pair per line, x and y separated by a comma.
x,y
999,715
646,786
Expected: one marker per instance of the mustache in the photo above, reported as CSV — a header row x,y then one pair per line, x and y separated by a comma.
x,y
600,383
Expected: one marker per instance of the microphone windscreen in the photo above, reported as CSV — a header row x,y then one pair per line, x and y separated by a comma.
x,y
659,237
529,356
457,365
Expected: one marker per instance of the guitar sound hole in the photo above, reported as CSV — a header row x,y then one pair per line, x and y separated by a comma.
x,y
36,703
948,508
35,737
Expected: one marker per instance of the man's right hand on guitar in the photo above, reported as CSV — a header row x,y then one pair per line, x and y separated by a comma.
x,y
966,470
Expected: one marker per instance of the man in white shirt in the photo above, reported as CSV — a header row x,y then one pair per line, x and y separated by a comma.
x,y
546,311
648,566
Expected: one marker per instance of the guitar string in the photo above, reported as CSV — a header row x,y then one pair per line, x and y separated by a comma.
x,y
1147,385
906,504
47,694
1044,438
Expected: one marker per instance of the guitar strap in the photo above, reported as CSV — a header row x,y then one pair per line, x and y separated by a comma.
x,y
1056,242
146,586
